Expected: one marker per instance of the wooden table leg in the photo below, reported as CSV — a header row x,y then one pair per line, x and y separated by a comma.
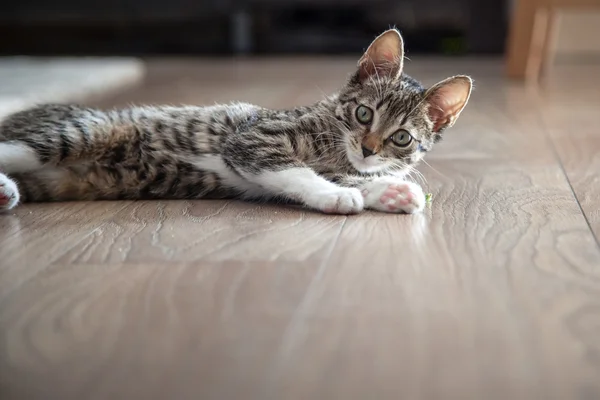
x,y
549,43
520,38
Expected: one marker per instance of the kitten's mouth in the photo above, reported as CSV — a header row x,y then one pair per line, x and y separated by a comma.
x,y
364,164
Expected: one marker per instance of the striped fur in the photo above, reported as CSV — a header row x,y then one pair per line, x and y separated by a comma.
x,y
312,155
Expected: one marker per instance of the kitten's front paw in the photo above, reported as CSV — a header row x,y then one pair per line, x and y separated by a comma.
x,y
394,197
338,201
9,194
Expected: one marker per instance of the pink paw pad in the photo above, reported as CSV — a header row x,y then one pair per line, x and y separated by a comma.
x,y
8,195
396,196
4,199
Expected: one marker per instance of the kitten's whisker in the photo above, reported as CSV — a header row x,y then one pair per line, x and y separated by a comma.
x,y
325,95
409,177
435,170
419,176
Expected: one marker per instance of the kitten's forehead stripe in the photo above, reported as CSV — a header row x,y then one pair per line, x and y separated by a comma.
x,y
350,99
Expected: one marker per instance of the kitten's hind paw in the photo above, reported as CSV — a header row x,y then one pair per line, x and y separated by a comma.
x,y
338,201
9,194
394,196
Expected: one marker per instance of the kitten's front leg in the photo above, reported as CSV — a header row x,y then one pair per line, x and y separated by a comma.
x,y
304,185
275,171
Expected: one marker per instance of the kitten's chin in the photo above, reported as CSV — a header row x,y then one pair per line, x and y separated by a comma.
x,y
366,165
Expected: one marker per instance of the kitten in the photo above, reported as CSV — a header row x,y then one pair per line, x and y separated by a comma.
x,y
343,154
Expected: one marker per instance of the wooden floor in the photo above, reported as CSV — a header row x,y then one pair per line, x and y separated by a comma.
x,y
492,293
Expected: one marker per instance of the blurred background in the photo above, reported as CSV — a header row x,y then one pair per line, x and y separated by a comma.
x,y
65,50
265,27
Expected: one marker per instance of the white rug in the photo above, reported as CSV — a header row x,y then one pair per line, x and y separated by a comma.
x,y
25,81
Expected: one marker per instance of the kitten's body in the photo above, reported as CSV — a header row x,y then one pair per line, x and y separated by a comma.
x,y
319,156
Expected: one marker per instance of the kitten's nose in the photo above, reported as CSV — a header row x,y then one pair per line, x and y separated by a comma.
x,y
366,152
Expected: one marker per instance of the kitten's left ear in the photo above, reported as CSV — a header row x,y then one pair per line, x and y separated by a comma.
x,y
447,99
384,57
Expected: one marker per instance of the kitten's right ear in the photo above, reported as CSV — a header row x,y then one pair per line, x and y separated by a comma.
x,y
384,57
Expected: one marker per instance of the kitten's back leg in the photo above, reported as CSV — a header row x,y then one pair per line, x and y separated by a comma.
x,y
52,184
62,135
79,183
9,193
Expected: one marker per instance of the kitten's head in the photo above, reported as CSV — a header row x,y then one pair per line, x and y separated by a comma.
x,y
389,119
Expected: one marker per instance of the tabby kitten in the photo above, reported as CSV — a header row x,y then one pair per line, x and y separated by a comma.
x,y
343,154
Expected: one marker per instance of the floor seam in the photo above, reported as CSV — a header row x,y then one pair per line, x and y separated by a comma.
x,y
550,141
287,341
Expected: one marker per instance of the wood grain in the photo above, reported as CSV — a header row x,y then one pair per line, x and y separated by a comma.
x,y
581,158
574,134
492,293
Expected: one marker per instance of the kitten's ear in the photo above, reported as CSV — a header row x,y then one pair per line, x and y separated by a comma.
x,y
447,99
384,57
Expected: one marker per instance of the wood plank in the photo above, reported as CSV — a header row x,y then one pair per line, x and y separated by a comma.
x,y
581,157
476,299
575,135
491,293
33,235
150,330
214,231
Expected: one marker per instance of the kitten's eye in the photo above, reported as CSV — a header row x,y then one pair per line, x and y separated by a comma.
x,y
364,114
402,138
